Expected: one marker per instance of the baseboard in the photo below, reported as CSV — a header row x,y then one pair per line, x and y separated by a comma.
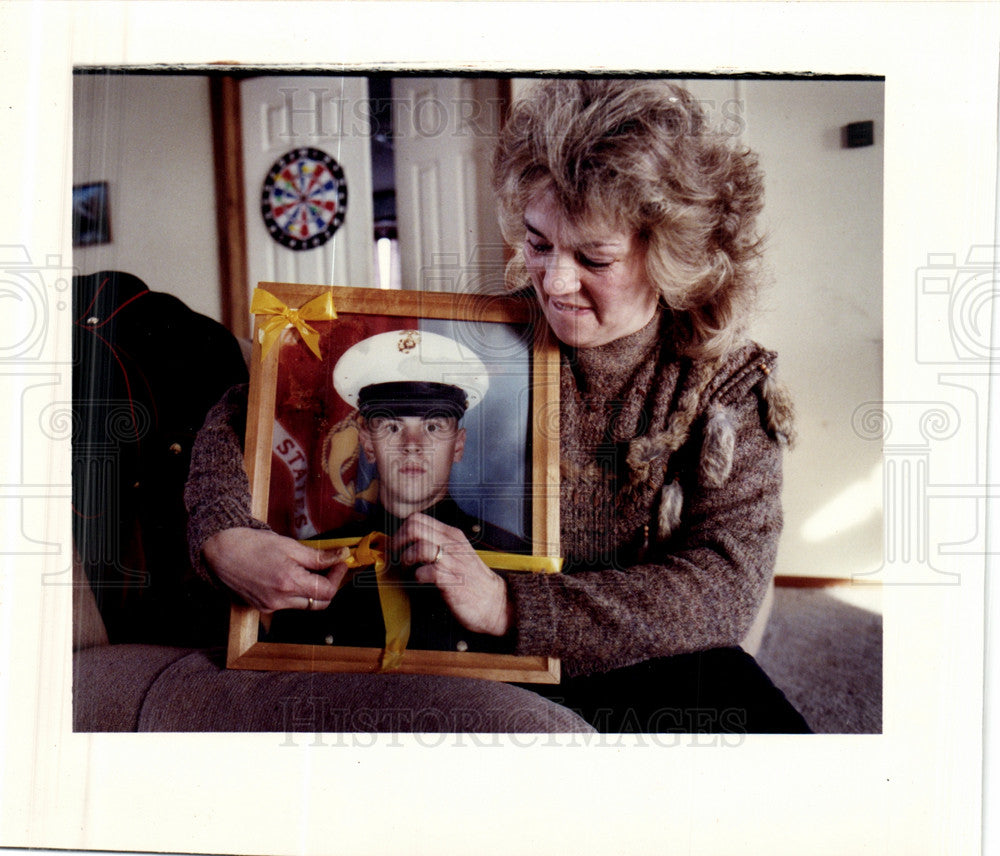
x,y
791,581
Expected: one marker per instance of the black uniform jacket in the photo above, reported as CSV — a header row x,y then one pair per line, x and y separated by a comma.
x,y
355,615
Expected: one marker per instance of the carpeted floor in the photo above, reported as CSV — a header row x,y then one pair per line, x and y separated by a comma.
x,y
823,648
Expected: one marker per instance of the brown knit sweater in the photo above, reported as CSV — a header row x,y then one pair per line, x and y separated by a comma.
x,y
629,592
670,503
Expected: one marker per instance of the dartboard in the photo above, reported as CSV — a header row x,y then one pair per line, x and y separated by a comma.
x,y
304,198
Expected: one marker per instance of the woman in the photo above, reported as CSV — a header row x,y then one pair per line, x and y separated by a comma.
x,y
634,226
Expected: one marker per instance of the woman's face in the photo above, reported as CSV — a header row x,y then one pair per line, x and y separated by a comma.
x,y
591,283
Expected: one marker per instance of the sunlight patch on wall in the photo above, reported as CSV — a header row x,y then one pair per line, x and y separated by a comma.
x,y
858,503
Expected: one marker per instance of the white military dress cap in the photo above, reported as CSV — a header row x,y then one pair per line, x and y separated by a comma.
x,y
392,367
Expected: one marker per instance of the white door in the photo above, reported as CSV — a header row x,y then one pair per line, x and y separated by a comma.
x,y
444,131
327,113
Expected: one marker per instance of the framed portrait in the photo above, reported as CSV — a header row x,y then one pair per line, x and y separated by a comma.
x,y
322,355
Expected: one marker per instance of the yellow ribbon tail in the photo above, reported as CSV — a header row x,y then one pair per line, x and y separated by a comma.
x,y
396,615
390,661
320,308
395,602
517,562
392,596
270,332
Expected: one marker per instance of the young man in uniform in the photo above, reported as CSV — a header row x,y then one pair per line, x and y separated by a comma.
x,y
411,396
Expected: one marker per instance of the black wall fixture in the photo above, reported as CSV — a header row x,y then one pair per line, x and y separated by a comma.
x,y
859,134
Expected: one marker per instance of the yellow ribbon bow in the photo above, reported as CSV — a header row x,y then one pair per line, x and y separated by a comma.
x,y
393,598
282,317
395,602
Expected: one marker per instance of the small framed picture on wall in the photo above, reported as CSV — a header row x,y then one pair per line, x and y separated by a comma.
x,y
91,217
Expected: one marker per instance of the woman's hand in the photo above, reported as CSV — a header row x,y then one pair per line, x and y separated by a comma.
x,y
443,555
270,571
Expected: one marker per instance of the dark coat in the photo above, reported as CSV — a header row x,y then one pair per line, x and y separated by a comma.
x,y
146,370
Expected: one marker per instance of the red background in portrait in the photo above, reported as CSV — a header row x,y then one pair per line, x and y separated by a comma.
x,y
304,499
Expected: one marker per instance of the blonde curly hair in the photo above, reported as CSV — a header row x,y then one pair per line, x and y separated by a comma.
x,y
640,154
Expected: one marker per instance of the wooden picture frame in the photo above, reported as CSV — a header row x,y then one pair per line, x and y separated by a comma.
x,y
517,351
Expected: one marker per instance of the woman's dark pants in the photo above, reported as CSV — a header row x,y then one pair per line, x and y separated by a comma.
x,y
717,691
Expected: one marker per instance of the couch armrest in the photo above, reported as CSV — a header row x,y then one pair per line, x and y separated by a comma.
x,y
110,683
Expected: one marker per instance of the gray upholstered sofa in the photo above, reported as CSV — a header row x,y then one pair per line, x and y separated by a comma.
x,y
143,687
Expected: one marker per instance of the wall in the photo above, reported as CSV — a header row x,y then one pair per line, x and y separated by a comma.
x,y
823,313
150,138
821,307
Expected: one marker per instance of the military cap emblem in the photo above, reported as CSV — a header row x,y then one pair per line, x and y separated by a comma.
x,y
408,340
411,372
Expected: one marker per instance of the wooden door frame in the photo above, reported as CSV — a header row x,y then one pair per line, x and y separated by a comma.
x,y
227,145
